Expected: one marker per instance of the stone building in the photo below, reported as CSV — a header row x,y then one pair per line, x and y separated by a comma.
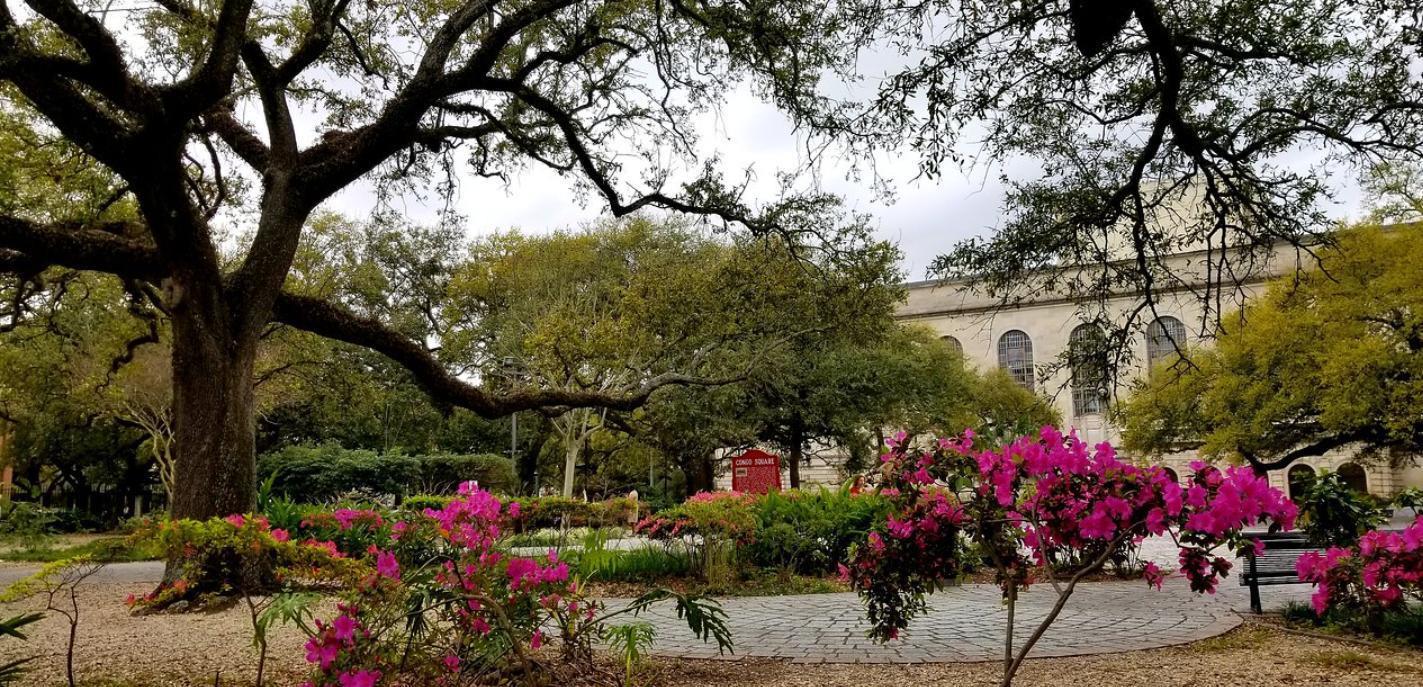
x,y
1030,338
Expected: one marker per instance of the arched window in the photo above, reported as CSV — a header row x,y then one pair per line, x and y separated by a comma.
x,y
1087,355
1015,356
1352,475
1172,474
1165,337
953,343
1300,478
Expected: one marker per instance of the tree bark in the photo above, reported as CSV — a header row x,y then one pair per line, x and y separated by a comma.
x,y
215,438
700,473
797,448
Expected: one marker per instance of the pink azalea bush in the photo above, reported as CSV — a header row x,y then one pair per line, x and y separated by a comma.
x,y
479,612
1044,508
1383,571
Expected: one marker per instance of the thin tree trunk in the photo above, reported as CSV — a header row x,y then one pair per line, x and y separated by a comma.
x,y
797,449
1008,634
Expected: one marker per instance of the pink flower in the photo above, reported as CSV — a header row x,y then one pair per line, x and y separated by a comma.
x,y
1153,575
280,534
322,652
452,663
344,628
537,640
387,566
236,520
364,678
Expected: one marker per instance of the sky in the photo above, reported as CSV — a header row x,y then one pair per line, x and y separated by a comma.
x,y
925,217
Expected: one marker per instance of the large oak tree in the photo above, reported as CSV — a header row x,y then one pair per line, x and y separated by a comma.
x,y
209,115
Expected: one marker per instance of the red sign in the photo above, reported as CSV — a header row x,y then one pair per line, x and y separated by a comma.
x,y
756,471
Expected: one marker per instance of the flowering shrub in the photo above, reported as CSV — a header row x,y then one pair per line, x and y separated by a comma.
x,y
1383,571
469,612
711,526
240,554
1034,503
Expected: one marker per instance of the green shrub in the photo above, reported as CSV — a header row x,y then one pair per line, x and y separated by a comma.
x,y
419,502
1332,514
594,561
810,532
314,474
28,524
542,512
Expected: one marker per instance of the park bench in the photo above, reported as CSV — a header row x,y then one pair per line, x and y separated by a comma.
x,y
1276,562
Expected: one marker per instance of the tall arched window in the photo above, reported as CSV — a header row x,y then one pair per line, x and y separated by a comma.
x,y
1088,357
1352,475
1015,356
1165,337
1300,478
953,343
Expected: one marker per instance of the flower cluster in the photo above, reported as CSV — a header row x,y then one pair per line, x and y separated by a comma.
x,y
238,554
483,608
1379,572
1069,507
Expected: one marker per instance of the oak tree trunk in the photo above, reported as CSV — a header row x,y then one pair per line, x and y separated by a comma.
x,y
213,421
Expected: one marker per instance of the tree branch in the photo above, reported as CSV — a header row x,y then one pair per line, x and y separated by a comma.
x,y
78,248
333,322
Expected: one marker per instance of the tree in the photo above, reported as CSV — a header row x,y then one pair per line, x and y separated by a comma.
x,y
600,309
189,120
1220,126
1330,359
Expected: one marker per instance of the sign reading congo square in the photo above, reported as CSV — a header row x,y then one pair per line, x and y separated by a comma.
x,y
756,472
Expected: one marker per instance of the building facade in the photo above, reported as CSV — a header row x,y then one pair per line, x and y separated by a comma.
x,y
1031,339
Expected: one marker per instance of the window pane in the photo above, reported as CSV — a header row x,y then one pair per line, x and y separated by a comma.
x,y
1015,356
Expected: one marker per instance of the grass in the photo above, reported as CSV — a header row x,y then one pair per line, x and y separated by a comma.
x,y
1345,660
1241,638
113,549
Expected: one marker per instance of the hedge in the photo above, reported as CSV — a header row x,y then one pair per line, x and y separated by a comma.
x,y
315,474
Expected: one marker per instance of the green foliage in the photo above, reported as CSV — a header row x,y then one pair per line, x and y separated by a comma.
x,y
27,524
595,562
1332,514
631,641
315,474
559,512
1330,359
11,671
811,532
1410,498
704,616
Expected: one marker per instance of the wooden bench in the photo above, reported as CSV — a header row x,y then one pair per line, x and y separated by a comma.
x,y
1275,564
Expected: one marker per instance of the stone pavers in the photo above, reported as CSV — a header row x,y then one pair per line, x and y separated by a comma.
x,y
965,624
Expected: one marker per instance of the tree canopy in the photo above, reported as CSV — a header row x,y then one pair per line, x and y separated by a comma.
x,y
1330,359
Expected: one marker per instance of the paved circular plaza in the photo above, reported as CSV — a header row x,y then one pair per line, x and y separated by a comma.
x,y
964,624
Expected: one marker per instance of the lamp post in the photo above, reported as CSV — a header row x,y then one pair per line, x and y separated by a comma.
x,y
509,370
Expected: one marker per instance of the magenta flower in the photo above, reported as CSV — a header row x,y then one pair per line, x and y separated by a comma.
x,y
363,678
387,565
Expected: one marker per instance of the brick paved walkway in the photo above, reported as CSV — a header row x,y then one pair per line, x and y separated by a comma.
x,y
965,624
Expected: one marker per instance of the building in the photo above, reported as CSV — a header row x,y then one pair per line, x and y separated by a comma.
x,y
1030,340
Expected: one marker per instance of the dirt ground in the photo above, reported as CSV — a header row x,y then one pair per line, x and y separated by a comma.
x,y
116,649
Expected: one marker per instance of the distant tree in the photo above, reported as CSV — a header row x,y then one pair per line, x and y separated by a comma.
x,y
1330,359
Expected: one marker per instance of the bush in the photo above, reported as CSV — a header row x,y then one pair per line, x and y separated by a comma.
x,y
542,512
811,532
1332,514
313,474
28,524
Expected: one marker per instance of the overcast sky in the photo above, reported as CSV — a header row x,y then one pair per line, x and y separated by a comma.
x,y
924,218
